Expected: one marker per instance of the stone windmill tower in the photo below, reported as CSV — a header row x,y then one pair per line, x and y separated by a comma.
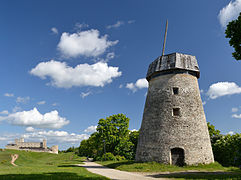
x,y
174,129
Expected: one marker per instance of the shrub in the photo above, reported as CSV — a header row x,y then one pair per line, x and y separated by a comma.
x,y
108,157
120,158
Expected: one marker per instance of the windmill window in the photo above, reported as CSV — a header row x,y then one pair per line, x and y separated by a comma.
x,y
176,112
175,90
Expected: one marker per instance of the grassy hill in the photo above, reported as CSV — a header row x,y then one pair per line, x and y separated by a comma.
x,y
44,166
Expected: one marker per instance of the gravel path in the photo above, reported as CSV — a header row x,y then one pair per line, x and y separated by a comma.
x,y
113,173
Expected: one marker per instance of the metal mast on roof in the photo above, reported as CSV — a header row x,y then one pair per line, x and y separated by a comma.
x,y
165,37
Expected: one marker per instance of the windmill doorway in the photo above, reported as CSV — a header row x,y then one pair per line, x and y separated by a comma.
x,y
177,156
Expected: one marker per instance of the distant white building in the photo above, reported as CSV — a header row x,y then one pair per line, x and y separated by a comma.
x,y
32,146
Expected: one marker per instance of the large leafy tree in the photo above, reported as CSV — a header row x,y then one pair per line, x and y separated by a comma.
x,y
114,133
233,32
112,137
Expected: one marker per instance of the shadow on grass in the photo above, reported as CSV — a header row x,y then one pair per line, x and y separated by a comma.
x,y
199,175
48,176
82,165
68,165
117,164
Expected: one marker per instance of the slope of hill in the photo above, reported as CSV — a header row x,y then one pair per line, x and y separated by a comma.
x,y
33,165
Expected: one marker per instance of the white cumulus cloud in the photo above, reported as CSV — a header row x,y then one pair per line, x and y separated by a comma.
x,y
84,43
222,89
54,30
64,76
90,129
139,84
34,118
229,12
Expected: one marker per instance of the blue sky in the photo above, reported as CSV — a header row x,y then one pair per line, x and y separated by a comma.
x,y
66,64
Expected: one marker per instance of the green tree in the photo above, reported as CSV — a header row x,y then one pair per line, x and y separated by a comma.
x,y
226,148
111,139
134,135
233,32
90,147
213,133
114,135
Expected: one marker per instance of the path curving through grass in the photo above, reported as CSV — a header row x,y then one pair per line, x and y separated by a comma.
x,y
14,158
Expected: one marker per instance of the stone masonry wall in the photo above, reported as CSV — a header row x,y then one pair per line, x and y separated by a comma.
x,y
29,144
161,130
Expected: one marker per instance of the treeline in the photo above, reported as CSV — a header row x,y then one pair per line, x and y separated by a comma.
x,y
113,141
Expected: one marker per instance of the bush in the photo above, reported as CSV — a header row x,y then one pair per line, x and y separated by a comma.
x,y
108,157
120,158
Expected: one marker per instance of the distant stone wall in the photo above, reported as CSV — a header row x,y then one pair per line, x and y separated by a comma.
x,y
11,147
32,146
29,144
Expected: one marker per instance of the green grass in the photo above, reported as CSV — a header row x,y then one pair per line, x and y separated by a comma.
x,y
210,171
43,166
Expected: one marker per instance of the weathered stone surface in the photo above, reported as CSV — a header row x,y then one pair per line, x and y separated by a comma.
x,y
175,62
174,121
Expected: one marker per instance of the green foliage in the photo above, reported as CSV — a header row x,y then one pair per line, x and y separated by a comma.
x,y
233,32
226,148
112,136
134,135
213,133
120,158
91,147
71,149
108,157
114,131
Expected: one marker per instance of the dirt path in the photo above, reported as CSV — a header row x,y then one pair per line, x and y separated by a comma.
x,y
113,173
14,158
